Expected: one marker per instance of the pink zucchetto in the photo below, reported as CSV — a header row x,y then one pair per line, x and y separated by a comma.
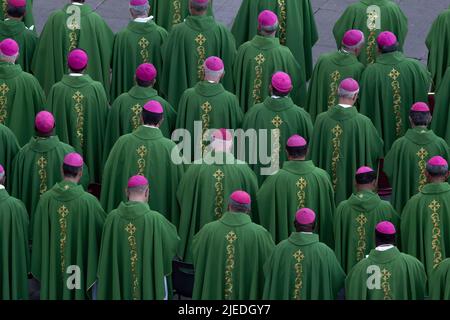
x,y
420,107
136,3
137,181
154,106
44,122
305,216
267,19
386,39
146,72
353,39
17,3
214,64
437,161
241,197
296,141
281,82
9,47
363,170
385,227
349,85
74,160
77,59
222,134
2,170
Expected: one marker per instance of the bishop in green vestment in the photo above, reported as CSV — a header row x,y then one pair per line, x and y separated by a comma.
x,y
80,107
357,217
21,96
14,27
67,230
297,27
14,252
37,166
138,246
372,17
441,114
258,59
74,26
405,164
426,218
298,184
301,267
386,273
229,255
344,140
9,147
389,87
203,191
280,118
145,152
140,42
440,281
330,69
187,47
9,6
125,113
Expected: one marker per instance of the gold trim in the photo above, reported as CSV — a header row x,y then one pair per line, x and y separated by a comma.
x,y
4,89
231,237
334,85
275,156
282,21
201,51
257,83
142,152
206,109
136,118
73,36
79,109
361,230
299,257
386,276
63,213
131,230
301,195
436,232
219,176
144,44
422,154
42,165
336,141
397,99
176,18
5,8
372,17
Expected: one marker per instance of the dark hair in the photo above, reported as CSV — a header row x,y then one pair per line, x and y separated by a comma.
x,y
297,152
389,49
16,12
150,118
199,7
277,93
304,227
142,83
366,178
437,171
381,238
237,207
70,171
420,118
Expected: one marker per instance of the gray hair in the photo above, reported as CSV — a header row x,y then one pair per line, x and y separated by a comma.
x,y
138,189
140,10
437,171
342,93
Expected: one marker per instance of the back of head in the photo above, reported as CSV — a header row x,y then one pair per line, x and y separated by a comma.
x,y
385,234
44,124
9,50
420,115
296,147
139,8
353,41
137,189
16,8
152,113
145,75
281,84
387,42
2,175
267,23
214,69
198,7
437,169
239,202
366,178
73,167
77,60
348,90
305,220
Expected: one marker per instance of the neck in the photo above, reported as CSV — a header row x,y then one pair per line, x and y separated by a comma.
x,y
137,198
296,158
437,180
364,187
419,127
72,179
15,18
212,80
346,101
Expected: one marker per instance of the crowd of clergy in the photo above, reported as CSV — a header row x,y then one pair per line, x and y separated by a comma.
x,y
353,204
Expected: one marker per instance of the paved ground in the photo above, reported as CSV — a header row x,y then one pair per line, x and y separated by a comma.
x,y
421,14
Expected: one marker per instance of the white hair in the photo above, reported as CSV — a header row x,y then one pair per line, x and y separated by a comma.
x,y
10,59
140,10
346,94
211,75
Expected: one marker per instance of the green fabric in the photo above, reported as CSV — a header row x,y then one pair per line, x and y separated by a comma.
x,y
26,39
28,19
440,281
95,37
298,184
356,144
203,196
356,16
21,99
425,221
122,119
80,108
146,152
406,278
229,256
185,51
9,147
27,182
378,96
405,163
154,240
354,226
14,253
329,71
136,44
321,275
441,116
257,60
67,230
167,15
263,116
300,30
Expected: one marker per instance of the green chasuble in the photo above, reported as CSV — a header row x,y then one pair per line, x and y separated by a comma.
x,y
354,226
297,27
125,115
372,17
386,275
14,251
21,98
343,140
273,114
299,184
168,13
28,19
145,152
406,163
257,60
75,26
425,222
9,147
26,39
303,260
229,256
80,107
139,42
328,73
188,46
441,114
440,281
37,167
138,246
388,90
204,191
67,230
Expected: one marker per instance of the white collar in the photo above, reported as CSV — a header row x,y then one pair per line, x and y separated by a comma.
x,y
2,187
147,126
77,3
384,247
277,97
345,106
306,232
143,20
75,74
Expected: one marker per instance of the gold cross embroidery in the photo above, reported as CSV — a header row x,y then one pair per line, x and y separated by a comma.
x,y
63,211
277,121
299,256
218,175
434,206
4,88
336,76
337,131
42,162
394,74
386,274
200,39
206,107
301,183
143,43
141,151
260,59
130,228
137,109
361,219
422,153
78,97
231,236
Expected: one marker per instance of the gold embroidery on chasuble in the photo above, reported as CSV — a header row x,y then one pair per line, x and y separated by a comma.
x,y
63,212
436,233
372,21
422,154
176,18
42,172
206,109
301,194
141,152
385,284
334,77
79,110
5,8
231,237
201,52
144,44
397,99
257,83
299,257
361,221
218,186
4,89
136,117
336,156
131,230
282,17
275,157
